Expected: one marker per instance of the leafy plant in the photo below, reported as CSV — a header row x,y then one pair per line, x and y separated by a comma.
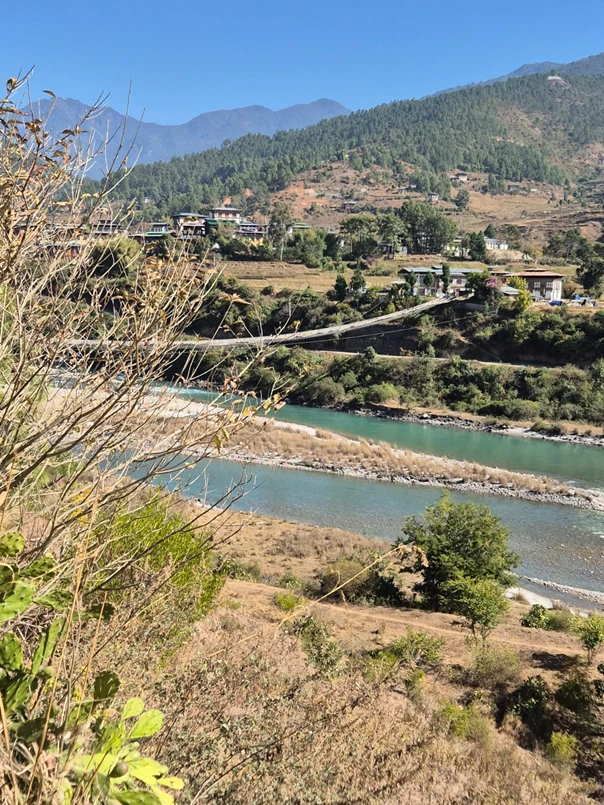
x,y
562,749
590,632
287,601
317,643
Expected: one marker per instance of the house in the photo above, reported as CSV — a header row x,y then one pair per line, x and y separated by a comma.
x,y
159,226
433,198
105,227
461,176
231,215
248,230
348,206
458,279
496,245
542,284
186,218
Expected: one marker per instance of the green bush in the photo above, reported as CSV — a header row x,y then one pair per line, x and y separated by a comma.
x,y
317,644
590,632
242,571
577,695
361,582
382,393
561,620
536,618
529,699
463,721
418,650
562,749
287,601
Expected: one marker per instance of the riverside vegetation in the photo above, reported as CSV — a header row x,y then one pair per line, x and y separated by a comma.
x,y
102,571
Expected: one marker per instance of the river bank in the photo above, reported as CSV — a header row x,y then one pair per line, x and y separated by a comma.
x,y
288,445
582,434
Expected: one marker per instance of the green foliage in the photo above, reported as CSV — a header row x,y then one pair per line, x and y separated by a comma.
x,y
461,541
418,650
477,246
463,721
86,744
576,694
382,393
536,618
363,580
530,698
562,749
482,603
317,644
462,199
590,632
437,134
116,259
159,538
288,601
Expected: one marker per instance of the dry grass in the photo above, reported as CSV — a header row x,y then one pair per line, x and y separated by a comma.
x,y
251,721
279,442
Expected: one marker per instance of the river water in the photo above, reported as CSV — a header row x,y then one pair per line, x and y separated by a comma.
x,y
557,543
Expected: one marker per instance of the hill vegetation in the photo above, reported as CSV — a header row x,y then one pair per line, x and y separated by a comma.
x,y
529,128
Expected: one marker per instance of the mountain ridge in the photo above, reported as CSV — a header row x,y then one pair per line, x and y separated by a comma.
x,y
156,142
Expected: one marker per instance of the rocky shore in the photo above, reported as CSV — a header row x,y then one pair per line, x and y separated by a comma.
x,y
477,424
582,499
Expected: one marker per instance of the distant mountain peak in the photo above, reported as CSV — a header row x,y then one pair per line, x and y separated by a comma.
x,y
155,142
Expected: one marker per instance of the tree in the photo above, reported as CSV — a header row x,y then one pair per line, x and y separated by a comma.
x,y
391,230
446,277
429,281
428,230
116,259
524,299
482,603
462,200
280,221
477,247
357,283
591,269
362,230
590,631
340,288
460,541
490,232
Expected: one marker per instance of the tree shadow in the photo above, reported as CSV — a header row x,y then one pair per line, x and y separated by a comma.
x,y
556,662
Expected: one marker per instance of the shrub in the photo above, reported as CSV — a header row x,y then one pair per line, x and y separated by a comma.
x,y
536,618
317,644
562,749
529,698
590,632
242,571
464,721
561,620
382,393
418,650
494,666
361,583
288,601
577,695
482,603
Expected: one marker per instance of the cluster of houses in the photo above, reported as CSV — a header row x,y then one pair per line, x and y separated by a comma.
x,y
543,285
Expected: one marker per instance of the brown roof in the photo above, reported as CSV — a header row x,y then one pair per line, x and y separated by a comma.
x,y
537,274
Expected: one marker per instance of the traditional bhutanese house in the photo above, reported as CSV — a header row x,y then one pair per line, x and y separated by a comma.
x,y
542,284
105,228
230,215
249,230
159,226
180,219
458,279
496,245
433,198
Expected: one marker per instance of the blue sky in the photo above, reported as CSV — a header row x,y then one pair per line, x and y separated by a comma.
x,y
190,56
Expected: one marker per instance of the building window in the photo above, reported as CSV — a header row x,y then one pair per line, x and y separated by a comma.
x,y
548,284
537,285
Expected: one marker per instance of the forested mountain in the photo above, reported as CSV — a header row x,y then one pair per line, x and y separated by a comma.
x,y
153,142
592,65
530,128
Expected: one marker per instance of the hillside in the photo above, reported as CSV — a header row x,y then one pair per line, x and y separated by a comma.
x,y
592,65
153,142
531,128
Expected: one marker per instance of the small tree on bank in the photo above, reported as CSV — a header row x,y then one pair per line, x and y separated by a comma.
x,y
460,541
